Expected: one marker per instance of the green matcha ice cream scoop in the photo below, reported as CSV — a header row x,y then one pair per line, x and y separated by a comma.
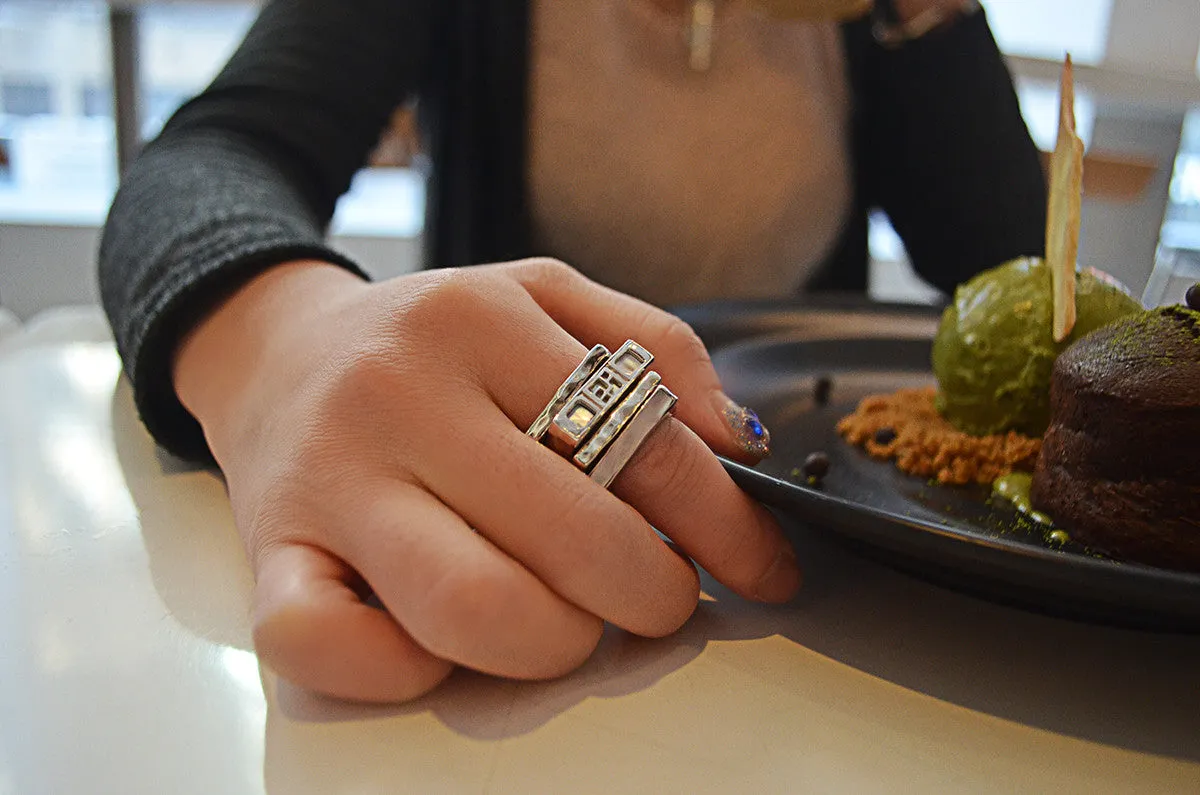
x,y
994,352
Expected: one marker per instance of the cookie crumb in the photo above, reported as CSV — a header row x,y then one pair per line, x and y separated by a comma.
x,y
925,444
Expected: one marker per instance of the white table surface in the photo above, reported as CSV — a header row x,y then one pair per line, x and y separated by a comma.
x,y
126,664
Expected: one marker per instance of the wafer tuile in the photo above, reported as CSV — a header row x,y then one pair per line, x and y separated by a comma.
x,y
1064,212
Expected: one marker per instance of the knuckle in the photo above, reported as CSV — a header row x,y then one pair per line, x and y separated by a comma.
x,y
730,556
469,614
672,339
569,511
363,372
549,269
466,606
549,274
267,531
445,295
681,341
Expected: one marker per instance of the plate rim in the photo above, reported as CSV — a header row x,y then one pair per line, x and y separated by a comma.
x,y
1042,555
1122,592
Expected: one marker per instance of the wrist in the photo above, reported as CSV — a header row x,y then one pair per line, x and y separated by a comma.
x,y
226,352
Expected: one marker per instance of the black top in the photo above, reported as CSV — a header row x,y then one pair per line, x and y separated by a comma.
x,y
246,175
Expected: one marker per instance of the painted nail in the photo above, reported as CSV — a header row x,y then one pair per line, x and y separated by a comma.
x,y
751,435
782,580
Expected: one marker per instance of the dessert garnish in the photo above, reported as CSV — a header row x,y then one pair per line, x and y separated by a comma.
x,y
816,466
906,427
1064,208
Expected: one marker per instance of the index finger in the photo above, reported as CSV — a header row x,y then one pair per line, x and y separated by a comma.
x,y
675,482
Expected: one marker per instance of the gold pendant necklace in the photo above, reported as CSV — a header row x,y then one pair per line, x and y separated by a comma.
x,y
702,17
701,27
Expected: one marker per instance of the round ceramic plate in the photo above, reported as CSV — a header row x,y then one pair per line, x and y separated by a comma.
x,y
955,536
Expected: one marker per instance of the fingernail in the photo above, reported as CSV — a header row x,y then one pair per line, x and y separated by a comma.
x,y
749,432
782,580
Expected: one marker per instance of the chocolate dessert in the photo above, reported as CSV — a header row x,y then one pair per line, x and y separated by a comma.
x,y
1120,464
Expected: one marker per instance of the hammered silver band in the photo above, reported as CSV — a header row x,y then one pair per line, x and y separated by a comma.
x,y
587,407
605,409
656,409
595,357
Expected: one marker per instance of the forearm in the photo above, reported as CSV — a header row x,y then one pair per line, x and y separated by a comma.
x,y
194,219
247,175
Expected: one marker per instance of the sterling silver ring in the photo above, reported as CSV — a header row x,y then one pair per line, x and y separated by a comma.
x,y
595,357
657,408
605,410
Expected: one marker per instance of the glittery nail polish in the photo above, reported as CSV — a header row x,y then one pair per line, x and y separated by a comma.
x,y
751,434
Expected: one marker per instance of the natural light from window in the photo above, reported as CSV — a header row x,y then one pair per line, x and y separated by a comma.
x,y
57,137
56,126
1050,28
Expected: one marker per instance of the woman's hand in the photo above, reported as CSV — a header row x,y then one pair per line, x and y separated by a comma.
x,y
372,437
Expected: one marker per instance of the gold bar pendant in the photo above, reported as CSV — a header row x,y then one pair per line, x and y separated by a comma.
x,y
700,34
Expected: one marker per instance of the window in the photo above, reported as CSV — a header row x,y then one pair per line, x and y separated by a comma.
x,y
182,47
1042,29
1181,229
57,136
1031,28
56,133
97,101
157,106
25,97
1039,107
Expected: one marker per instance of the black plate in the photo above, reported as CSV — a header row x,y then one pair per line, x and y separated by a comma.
x,y
954,536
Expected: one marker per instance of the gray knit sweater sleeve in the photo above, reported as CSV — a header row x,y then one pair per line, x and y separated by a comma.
x,y
247,174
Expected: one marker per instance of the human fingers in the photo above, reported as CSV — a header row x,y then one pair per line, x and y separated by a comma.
x,y
682,489
675,483
313,629
459,596
575,536
594,313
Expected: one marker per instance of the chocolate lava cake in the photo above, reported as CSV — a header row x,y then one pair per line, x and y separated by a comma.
x,y
1120,464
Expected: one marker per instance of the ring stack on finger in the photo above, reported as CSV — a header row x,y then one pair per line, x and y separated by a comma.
x,y
605,410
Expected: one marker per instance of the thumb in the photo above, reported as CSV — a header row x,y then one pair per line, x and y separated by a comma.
x,y
313,629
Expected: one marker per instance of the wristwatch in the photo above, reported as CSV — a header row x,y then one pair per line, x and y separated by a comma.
x,y
891,32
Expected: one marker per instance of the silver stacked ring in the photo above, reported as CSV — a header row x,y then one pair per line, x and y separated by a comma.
x,y
605,410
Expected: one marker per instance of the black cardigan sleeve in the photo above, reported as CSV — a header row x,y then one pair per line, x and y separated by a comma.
x,y
941,147
247,175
